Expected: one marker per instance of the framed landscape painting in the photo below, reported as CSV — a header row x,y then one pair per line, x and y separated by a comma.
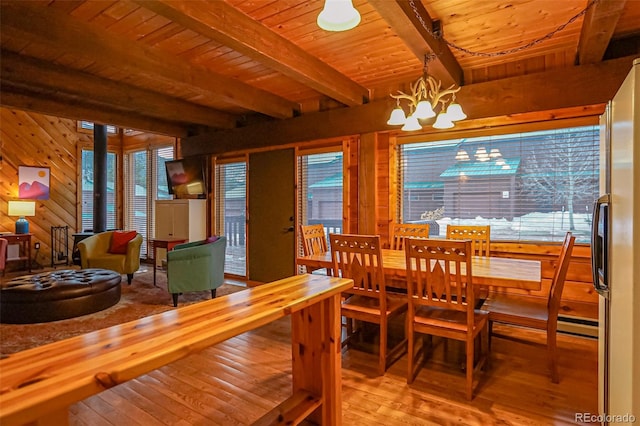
x,y
34,182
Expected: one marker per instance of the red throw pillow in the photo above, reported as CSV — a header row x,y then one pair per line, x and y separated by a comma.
x,y
119,241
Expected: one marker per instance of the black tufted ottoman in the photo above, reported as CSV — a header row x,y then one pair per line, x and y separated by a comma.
x,y
57,295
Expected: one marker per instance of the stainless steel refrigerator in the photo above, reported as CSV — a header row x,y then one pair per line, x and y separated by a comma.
x,y
616,255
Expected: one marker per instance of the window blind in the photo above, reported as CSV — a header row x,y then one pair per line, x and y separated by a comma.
x,y
231,206
87,204
532,186
320,191
145,181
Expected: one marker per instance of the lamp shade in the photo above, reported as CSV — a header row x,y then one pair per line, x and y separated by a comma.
x,y
338,15
411,124
455,113
397,117
443,122
22,208
424,110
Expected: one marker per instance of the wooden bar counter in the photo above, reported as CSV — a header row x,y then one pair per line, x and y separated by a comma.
x,y
38,385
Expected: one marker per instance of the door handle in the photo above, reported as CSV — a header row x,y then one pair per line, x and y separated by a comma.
x,y
289,229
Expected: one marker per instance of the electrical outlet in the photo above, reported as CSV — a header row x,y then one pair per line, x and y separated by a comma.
x,y
37,246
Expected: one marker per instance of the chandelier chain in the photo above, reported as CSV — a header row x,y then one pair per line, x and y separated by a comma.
x,y
502,52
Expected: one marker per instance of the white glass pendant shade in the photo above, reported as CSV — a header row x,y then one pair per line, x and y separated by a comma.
x,y
443,122
455,113
397,117
338,15
424,110
411,124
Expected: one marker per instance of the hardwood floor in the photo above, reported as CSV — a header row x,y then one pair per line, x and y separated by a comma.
x,y
235,382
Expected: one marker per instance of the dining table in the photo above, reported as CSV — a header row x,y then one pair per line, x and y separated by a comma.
x,y
522,274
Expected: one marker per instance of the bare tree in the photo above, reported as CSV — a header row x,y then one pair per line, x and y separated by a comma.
x,y
564,172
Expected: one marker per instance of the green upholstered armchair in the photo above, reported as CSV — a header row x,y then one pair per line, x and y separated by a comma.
x,y
196,266
94,253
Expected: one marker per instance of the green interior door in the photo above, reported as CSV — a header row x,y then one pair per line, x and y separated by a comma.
x,y
271,238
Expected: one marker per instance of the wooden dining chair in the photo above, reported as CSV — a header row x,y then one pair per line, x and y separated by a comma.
x,y
314,241
480,236
524,312
359,257
400,231
441,301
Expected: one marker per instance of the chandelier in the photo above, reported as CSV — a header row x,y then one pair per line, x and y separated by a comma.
x,y
427,97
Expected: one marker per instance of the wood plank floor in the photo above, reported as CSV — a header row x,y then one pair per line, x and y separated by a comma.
x,y
235,382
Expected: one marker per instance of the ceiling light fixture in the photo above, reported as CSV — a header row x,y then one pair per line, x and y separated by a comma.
x,y
425,99
338,15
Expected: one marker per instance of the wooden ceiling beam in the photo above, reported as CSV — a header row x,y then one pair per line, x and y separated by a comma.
x,y
60,106
34,73
403,20
67,35
574,87
597,29
225,24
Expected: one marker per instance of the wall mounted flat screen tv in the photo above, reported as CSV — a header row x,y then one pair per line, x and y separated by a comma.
x,y
187,177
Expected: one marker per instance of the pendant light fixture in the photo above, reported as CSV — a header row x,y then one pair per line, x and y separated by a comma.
x,y
427,97
338,15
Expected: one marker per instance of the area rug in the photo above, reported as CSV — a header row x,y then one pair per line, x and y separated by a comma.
x,y
138,300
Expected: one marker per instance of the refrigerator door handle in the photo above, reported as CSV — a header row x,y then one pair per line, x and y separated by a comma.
x,y
598,244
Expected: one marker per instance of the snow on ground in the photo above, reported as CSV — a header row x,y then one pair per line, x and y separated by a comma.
x,y
530,227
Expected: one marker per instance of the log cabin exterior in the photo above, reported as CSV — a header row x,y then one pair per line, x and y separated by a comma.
x,y
207,77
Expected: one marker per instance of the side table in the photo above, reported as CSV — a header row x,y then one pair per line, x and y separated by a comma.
x,y
24,253
165,243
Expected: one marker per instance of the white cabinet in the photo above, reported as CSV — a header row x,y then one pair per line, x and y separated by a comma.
x,y
184,218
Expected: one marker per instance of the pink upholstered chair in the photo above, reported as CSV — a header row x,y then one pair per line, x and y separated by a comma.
x,y
3,255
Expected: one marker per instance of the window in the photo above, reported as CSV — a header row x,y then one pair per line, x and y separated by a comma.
x,y
87,191
145,181
320,177
231,207
87,127
531,186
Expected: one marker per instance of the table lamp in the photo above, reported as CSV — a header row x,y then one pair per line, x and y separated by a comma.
x,y
22,209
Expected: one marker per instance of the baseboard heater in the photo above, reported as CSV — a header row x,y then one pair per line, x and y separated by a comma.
x,y
585,327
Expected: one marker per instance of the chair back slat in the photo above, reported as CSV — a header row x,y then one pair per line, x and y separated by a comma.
x,y
359,257
480,236
559,276
439,274
400,231
314,240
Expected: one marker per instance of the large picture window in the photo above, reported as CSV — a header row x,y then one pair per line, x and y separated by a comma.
x,y
531,186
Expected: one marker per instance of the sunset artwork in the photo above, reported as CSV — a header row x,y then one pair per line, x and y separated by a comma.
x,y
33,182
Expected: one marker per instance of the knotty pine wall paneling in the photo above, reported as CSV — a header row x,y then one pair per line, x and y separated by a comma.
x,y
32,139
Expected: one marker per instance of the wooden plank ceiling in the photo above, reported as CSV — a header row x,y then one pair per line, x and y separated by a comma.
x,y
187,67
